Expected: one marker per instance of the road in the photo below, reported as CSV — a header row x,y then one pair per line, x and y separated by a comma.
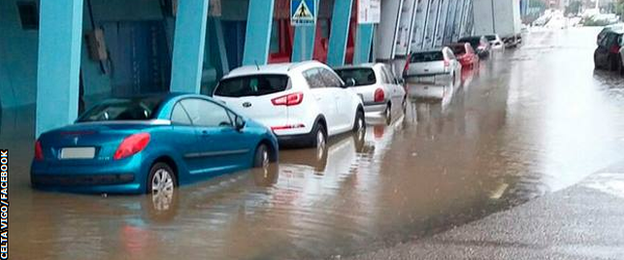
x,y
527,124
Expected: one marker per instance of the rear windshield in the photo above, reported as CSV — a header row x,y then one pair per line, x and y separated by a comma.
x,y
427,56
253,85
473,41
362,76
458,49
490,37
123,110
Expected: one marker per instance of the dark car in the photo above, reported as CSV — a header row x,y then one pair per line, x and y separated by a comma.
x,y
607,54
479,43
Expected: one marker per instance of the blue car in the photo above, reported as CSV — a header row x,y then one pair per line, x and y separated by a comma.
x,y
149,144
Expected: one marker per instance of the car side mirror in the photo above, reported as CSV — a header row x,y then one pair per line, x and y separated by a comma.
x,y
239,123
349,83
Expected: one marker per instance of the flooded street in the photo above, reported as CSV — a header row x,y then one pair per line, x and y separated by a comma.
x,y
526,123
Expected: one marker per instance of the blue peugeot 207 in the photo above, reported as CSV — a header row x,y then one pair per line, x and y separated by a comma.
x,y
149,144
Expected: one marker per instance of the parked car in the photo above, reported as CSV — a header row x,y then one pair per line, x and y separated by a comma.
x,y
433,62
607,54
479,43
377,85
495,41
465,54
302,103
149,144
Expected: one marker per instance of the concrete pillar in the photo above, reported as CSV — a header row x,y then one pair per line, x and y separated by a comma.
x,y
58,69
189,45
439,34
420,22
450,21
339,32
432,21
364,43
258,35
303,45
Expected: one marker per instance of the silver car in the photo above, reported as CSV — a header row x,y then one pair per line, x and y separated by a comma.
x,y
432,63
381,91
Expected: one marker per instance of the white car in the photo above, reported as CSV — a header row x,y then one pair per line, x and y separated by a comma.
x,y
377,85
302,103
432,63
495,41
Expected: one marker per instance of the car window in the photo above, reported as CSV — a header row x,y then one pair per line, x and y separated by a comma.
x,y
458,49
330,79
252,85
206,113
179,115
427,56
314,78
362,76
123,110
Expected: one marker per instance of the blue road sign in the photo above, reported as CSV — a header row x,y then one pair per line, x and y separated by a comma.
x,y
302,12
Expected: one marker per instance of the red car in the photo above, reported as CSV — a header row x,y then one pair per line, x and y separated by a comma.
x,y
465,54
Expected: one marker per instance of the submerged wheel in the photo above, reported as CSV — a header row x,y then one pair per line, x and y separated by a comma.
x,y
388,113
360,122
261,159
161,181
319,140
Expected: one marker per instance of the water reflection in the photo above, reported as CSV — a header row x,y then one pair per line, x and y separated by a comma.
x,y
509,131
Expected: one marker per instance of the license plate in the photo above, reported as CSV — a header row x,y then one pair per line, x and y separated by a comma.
x,y
427,79
78,153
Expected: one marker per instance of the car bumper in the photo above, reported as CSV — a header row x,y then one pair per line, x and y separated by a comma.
x,y
123,177
374,109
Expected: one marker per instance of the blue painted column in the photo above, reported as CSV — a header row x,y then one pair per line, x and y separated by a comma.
x,y
364,43
189,45
58,69
303,45
339,32
258,35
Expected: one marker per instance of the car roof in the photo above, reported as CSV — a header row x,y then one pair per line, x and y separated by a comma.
x,y
430,50
277,68
360,66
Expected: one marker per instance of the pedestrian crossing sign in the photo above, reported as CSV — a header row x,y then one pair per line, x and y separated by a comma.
x,y
302,12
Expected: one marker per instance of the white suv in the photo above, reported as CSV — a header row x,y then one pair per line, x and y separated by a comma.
x,y
303,103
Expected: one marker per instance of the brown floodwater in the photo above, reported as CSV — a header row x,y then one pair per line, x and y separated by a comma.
x,y
525,123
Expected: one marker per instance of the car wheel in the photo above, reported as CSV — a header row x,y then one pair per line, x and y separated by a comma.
x,y
162,180
388,113
319,140
261,158
360,122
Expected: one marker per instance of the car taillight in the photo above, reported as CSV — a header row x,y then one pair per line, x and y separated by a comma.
x,y
132,145
288,100
380,96
615,49
38,151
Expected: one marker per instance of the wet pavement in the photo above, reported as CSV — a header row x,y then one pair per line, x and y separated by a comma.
x,y
528,122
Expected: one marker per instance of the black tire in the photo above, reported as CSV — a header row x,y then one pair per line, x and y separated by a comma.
x,y
167,184
360,121
315,140
261,157
388,113
612,64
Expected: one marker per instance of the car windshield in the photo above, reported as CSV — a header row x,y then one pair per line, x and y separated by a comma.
x,y
473,41
123,110
427,56
362,76
253,85
458,49
490,37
